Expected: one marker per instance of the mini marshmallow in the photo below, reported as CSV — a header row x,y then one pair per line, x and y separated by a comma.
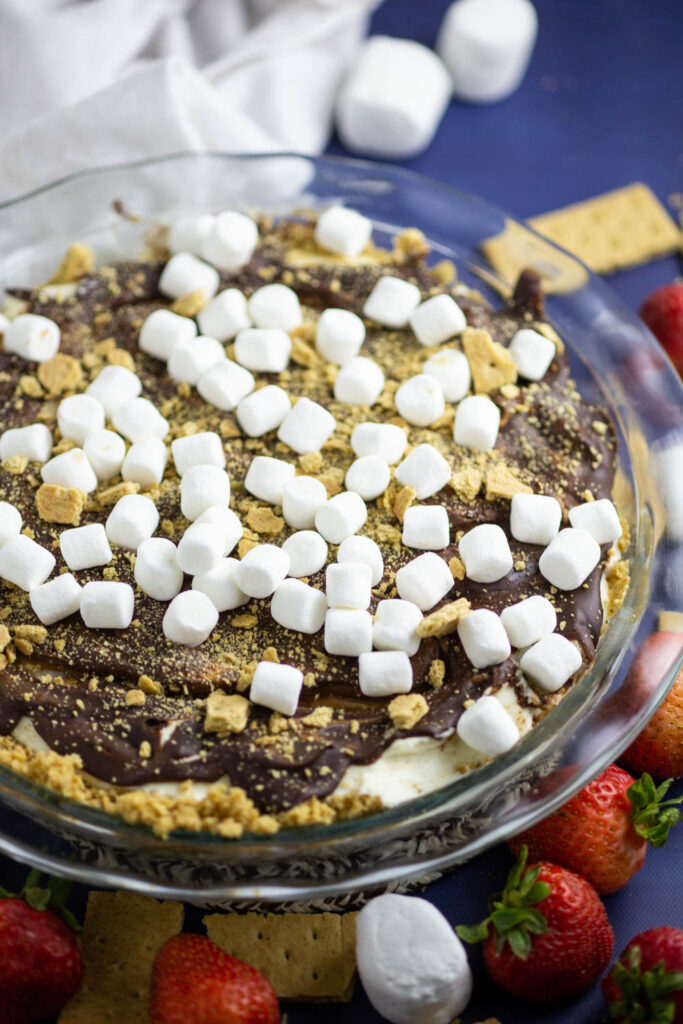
x,y
348,585
341,516
263,411
359,382
424,581
157,572
570,558
348,632
275,305
307,553
231,241
106,604
227,521
203,449
187,233
32,337
105,452
25,563
299,607
191,360
369,476
343,231
426,527
220,587
483,638
78,416
225,315
302,496
425,469
362,549
339,335
437,320
551,662
265,350
113,386
262,570
10,522
395,626
4,323
201,487
391,302
138,418
34,442
486,553
306,427
163,331
535,518
381,673
57,599
267,478
486,727
189,618
532,352
385,440
451,370
420,400
477,420
200,548
599,518
529,620
133,519
276,686
184,273
84,547
145,462
392,100
71,469
225,385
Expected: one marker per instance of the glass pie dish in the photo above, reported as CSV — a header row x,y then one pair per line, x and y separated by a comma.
x,y
616,363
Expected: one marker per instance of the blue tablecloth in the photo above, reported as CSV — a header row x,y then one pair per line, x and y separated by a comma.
x,y
600,107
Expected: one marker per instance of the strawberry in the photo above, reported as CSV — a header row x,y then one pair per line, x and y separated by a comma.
x,y
193,980
658,749
547,937
662,311
645,986
602,833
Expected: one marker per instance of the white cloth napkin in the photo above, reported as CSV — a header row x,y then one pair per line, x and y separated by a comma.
x,y
90,82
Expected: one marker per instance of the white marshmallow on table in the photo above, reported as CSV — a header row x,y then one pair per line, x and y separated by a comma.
x,y
599,518
486,727
532,353
163,331
299,607
348,632
391,301
10,522
412,964
220,586
485,553
392,99
339,335
34,441
425,469
231,241
267,478
395,626
362,549
225,315
263,410
157,572
381,673
262,570
78,416
551,662
201,487
4,323
84,547
105,451
113,386
56,599
184,273
344,231
369,476
426,527
200,548
306,426
277,687
32,337
486,45
341,516
348,585
190,360
477,420
424,581
263,349
437,320
570,558
133,519
25,563
227,521
385,440
359,382
483,638
420,400
186,233
189,618
107,604
528,621
302,496
307,553
451,370
535,518
138,418
202,449
71,469
275,305
145,462
225,385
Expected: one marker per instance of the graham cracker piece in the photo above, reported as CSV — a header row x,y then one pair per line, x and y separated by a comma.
x,y
264,520
437,673
671,622
59,374
457,567
189,305
501,482
226,712
407,709
466,483
306,957
490,362
60,504
122,935
516,248
78,261
404,499
445,619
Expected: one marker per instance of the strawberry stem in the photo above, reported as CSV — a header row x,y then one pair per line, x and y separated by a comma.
x,y
52,896
645,995
651,814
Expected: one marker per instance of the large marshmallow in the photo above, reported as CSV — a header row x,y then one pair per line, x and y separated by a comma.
x,y
307,553
486,727
263,349
343,231
145,462
262,570
267,478
56,599
191,360
201,487
339,335
420,400
535,518
348,632
138,418
341,516
306,427
10,522
189,618
32,337
78,416
426,527
34,442
71,469
225,385
297,606
528,621
437,320
477,420
200,548
362,549
163,331
486,553
133,519
599,518
157,572
275,305
451,370
368,476
391,301
184,273
302,496
229,524
187,232
220,586
25,563
84,547
532,352
551,662
105,451
483,638
570,558
107,604
263,410
424,581
203,449
225,315
359,382
276,686
381,673
385,440
425,469
395,626
348,585
231,241
113,386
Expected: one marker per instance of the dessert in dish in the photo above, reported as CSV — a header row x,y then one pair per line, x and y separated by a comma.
x,y
294,527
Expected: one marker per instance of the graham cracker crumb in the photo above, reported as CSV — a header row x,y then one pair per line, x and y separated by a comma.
x,y
407,709
457,568
135,698
145,750
467,483
110,495
189,305
319,718
404,499
4,637
501,482
510,391
150,686
59,374
28,385
244,621
617,578
264,520
437,673
15,464
311,462
60,504
491,364
270,654
226,713
36,634
411,244
444,271
78,261
246,544
445,619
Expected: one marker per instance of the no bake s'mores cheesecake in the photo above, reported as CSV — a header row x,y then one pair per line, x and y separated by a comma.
x,y
292,527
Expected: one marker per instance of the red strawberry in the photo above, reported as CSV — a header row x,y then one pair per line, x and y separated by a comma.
x,y
194,980
658,749
645,986
547,937
662,311
602,833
